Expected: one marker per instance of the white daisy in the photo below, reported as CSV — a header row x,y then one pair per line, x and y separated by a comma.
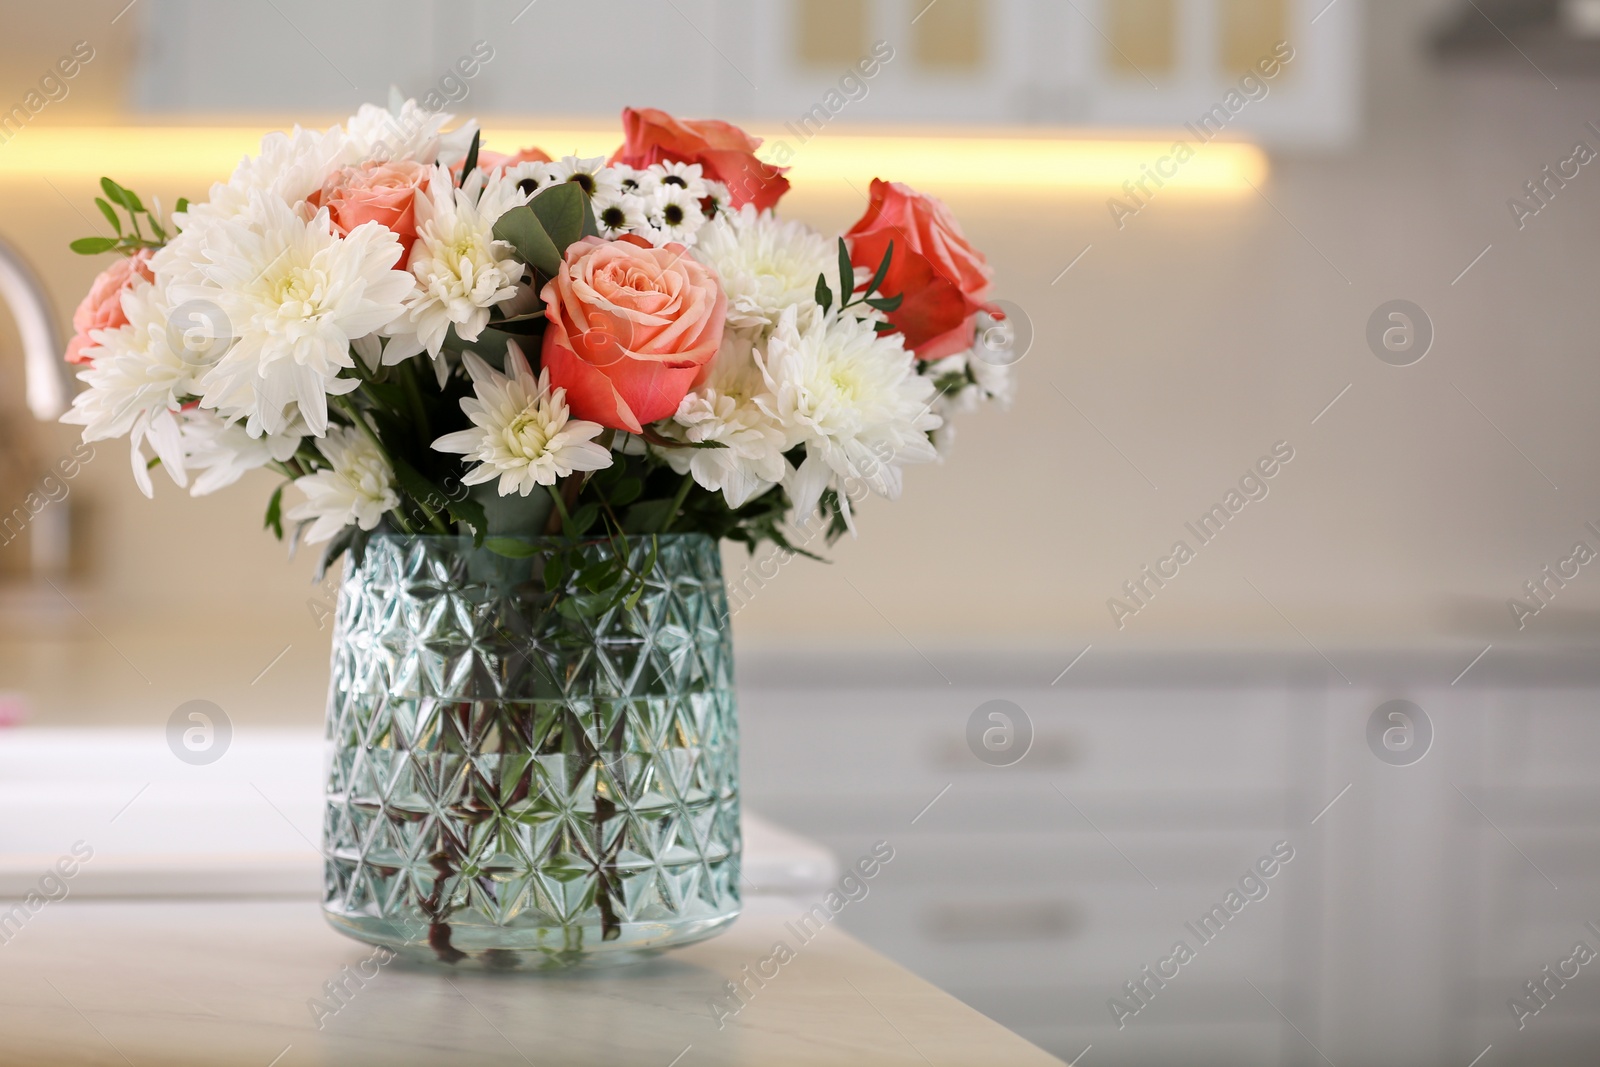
x,y
137,384
717,201
765,265
591,175
685,176
223,452
853,398
461,271
620,214
359,488
725,409
530,176
296,295
635,182
675,215
522,432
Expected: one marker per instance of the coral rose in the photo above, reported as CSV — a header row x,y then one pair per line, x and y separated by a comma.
x,y
944,280
102,308
725,153
630,327
384,193
491,161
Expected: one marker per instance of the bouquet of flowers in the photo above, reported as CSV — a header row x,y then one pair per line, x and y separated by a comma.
x,y
425,336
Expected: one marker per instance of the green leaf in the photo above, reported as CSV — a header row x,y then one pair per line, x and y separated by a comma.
x,y
886,303
511,548
585,517
275,514
824,294
885,327
344,539
92,246
471,163
114,193
110,213
563,212
122,197
644,572
419,488
471,512
847,274
522,228
648,514
181,206
882,271
625,492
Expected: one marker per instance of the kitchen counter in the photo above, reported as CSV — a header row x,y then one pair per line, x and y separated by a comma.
x,y
226,983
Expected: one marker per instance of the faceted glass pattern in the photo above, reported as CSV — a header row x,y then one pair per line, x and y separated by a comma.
x,y
517,783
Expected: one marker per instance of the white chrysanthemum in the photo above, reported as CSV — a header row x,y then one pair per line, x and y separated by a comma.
x,y
853,398
289,168
686,176
725,409
620,214
522,432
675,215
405,131
461,271
137,384
359,488
765,265
223,452
591,175
296,296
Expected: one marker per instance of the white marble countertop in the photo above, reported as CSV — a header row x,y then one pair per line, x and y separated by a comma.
x,y
237,983
247,825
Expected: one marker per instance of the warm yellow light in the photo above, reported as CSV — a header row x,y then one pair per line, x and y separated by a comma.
x,y
204,154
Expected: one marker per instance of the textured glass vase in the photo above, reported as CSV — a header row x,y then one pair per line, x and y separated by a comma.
x,y
515,783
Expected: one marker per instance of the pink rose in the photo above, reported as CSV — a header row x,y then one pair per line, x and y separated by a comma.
x,y
102,308
384,193
945,281
725,153
630,327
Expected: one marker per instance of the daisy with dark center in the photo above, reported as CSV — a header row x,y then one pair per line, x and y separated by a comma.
x,y
686,176
675,213
617,215
590,175
530,177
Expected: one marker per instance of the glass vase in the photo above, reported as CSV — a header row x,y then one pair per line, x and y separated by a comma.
x,y
527,776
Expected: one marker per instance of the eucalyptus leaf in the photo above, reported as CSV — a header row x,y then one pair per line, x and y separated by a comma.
x,y
522,228
564,214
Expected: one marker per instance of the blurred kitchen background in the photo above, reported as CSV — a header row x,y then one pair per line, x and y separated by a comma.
x,y
1171,349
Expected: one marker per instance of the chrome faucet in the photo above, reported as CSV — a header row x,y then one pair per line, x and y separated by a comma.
x,y
49,379
49,394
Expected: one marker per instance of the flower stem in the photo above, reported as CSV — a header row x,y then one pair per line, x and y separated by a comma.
x,y
408,378
677,503
561,508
